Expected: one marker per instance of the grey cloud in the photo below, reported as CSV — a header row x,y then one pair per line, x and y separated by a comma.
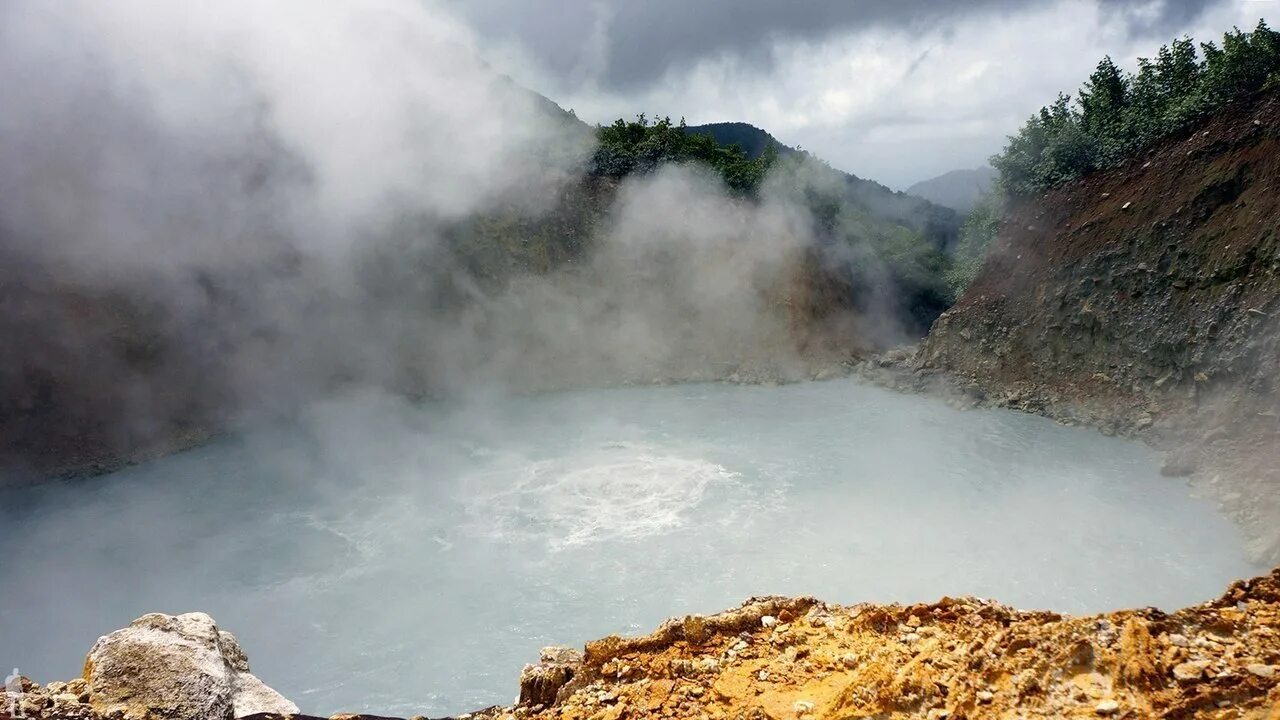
x,y
629,45
1159,19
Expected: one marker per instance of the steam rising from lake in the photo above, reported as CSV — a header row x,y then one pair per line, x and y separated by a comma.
x,y
407,559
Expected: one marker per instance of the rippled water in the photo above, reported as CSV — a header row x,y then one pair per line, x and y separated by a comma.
x,y
403,560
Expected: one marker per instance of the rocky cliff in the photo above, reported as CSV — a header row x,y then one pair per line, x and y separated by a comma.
x,y
1145,300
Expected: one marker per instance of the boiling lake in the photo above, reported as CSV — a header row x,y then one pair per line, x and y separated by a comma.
x,y
381,556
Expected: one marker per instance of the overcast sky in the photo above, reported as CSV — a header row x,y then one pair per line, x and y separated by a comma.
x,y
894,90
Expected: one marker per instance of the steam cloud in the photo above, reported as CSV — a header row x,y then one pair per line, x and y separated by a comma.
x,y
213,211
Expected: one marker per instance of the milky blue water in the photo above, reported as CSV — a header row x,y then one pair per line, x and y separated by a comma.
x,y
384,557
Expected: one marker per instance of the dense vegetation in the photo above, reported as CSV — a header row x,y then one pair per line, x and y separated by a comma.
x,y
641,145
1117,114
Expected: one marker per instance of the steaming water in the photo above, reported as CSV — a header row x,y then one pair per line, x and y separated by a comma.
x,y
407,560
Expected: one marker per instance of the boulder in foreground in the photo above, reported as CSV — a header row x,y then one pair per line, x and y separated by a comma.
x,y
175,667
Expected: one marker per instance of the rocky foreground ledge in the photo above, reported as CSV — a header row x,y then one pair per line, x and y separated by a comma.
x,y
161,666
780,658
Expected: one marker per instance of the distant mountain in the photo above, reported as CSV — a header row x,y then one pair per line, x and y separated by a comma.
x,y
958,189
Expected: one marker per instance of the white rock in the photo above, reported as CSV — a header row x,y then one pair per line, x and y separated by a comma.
x,y
1106,707
768,621
1262,671
175,666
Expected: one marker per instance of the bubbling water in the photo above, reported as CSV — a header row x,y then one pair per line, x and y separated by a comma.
x,y
620,491
384,557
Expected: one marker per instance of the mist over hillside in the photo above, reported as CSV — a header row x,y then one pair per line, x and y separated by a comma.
x,y
922,214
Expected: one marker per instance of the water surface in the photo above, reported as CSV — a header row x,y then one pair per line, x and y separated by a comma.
x,y
405,559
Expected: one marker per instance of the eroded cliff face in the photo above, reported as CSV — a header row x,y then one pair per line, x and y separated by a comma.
x,y
1145,300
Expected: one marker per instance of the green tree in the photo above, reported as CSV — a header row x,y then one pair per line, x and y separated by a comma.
x,y
1104,100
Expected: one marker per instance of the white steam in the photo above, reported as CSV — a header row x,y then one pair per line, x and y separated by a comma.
x,y
217,209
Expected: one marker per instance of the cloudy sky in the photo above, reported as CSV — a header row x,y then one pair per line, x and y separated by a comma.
x,y
895,90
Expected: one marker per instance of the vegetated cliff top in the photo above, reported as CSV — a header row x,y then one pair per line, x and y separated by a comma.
x,y
1116,115
1216,183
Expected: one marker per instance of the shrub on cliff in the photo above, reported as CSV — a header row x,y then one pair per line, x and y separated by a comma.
x,y
1117,114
